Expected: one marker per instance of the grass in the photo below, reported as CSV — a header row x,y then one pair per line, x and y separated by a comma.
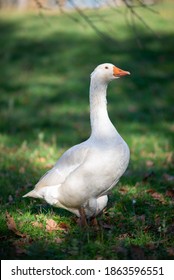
x,y
44,77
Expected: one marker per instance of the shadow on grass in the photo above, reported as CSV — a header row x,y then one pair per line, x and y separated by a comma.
x,y
128,230
45,81
44,91
125,232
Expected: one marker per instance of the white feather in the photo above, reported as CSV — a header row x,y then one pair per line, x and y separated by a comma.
x,y
83,174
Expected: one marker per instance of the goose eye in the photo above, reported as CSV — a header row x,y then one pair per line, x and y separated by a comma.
x,y
106,67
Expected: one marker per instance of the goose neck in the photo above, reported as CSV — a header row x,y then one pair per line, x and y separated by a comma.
x,y
100,122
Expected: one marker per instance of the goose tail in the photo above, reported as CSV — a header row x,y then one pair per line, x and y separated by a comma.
x,y
32,193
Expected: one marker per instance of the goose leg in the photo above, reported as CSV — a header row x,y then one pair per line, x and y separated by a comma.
x,y
83,217
94,223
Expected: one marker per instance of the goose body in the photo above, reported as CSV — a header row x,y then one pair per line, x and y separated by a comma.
x,y
84,174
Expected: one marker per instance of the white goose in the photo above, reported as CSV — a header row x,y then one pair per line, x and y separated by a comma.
x,y
81,178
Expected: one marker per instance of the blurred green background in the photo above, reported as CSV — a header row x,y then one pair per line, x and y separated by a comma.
x,y
45,63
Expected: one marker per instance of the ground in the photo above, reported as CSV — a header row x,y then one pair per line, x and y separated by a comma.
x,y
46,62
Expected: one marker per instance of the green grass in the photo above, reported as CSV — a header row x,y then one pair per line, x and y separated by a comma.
x,y
44,77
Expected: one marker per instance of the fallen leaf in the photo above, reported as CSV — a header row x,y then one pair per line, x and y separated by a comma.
x,y
150,191
170,193
37,224
123,190
10,222
51,225
63,226
12,225
124,235
156,195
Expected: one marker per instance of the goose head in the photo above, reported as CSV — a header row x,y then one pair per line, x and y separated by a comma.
x,y
107,72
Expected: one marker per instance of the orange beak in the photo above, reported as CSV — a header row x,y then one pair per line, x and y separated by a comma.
x,y
117,72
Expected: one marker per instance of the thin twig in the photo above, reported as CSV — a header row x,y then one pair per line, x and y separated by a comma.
x,y
147,7
64,13
40,8
132,10
87,19
131,7
135,30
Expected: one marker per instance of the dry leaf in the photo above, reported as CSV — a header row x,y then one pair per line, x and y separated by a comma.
x,y
150,191
51,225
124,235
63,226
10,222
12,225
156,195
170,193
123,190
37,224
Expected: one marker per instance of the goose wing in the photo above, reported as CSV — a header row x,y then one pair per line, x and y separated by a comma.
x,y
73,158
